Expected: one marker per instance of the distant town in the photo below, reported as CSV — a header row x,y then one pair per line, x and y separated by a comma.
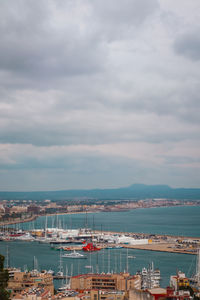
x,y
16,211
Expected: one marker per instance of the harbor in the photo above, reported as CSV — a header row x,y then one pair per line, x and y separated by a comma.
x,y
72,230
39,246
38,239
77,239
21,255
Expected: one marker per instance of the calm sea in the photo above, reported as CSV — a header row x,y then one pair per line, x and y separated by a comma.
x,y
170,220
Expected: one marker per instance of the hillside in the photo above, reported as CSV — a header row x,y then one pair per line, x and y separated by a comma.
x,y
135,191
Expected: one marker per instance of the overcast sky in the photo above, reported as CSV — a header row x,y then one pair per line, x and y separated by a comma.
x,y
99,93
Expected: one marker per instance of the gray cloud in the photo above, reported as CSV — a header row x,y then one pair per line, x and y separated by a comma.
x,y
42,41
34,45
119,20
182,160
95,75
188,45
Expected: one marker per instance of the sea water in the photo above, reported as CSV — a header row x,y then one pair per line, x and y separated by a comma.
x,y
179,220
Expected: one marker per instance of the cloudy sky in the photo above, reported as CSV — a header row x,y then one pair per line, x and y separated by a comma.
x,y
99,93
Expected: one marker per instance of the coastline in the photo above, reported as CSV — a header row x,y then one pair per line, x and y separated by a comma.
x,y
34,217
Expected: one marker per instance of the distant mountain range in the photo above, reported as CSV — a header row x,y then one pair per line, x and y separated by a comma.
x,y
135,191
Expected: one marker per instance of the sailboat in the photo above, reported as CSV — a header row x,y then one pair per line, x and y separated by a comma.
x,y
35,266
60,274
66,286
195,280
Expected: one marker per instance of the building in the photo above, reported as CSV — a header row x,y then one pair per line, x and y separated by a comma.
x,y
107,295
20,281
159,294
33,294
139,295
18,209
121,282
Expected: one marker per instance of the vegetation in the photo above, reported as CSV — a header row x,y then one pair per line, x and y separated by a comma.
x,y
4,294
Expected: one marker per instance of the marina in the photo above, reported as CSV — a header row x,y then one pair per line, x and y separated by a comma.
x,y
21,256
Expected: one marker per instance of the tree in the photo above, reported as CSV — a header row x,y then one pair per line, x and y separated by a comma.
x,y
4,294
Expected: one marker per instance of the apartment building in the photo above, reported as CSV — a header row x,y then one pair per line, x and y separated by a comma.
x,y
121,282
23,280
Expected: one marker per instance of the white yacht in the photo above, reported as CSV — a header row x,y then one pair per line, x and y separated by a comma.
x,y
74,254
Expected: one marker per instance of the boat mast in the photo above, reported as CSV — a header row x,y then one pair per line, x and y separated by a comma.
x,y
108,261
72,270
86,221
103,262
115,261
66,279
127,260
120,262
7,258
198,268
60,262
45,228
97,265
35,264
